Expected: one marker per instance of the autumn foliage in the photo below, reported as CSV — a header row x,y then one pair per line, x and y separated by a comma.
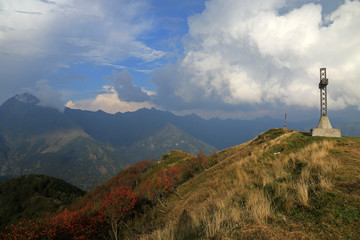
x,y
64,225
118,206
164,183
115,207
166,180
195,165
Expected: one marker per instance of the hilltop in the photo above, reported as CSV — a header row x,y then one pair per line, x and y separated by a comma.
x,y
283,184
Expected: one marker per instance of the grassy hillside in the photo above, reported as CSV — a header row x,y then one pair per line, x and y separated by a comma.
x,y
281,185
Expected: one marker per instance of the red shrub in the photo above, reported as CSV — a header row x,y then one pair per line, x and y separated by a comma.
x,y
64,225
118,206
165,182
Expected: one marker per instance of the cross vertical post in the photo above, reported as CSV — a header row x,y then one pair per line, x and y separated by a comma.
x,y
323,92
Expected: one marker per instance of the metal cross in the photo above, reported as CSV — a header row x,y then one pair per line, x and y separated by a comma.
x,y
323,93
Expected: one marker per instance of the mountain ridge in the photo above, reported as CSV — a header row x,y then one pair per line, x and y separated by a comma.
x,y
216,132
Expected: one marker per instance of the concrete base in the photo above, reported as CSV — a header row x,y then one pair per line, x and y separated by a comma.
x,y
324,123
325,129
325,132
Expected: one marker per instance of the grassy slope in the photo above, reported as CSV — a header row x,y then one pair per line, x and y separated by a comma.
x,y
309,189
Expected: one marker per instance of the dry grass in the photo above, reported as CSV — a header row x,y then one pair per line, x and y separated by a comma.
x,y
278,167
325,183
303,192
258,206
236,198
201,224
214,223
160,234
242,177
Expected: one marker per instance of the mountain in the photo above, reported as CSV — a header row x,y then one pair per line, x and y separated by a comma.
x,y
4,149
31,196
283,184
42,140
120,129
141,134
84,148
21,116
125,129
163,141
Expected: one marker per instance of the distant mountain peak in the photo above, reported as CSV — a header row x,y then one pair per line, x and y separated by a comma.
x,y
27,98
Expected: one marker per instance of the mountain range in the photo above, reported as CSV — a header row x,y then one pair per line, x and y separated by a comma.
x,y
86,148
81,147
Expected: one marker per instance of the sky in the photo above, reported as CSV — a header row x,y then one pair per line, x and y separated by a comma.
x,y
218,58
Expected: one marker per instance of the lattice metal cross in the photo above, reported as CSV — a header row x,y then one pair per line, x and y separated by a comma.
x,y
323,92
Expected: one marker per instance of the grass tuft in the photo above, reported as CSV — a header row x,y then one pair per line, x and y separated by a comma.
x,y
258,206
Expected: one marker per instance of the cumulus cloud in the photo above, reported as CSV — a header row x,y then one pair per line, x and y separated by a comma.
x,y
125,89
107,101
254,55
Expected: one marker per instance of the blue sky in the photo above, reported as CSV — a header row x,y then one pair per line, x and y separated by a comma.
x,y
216,58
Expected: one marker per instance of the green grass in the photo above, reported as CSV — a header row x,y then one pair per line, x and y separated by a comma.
x,y
332,215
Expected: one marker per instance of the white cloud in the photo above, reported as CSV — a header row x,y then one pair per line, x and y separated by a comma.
x,y
101,32
38,37
245,54
107,101
47,95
